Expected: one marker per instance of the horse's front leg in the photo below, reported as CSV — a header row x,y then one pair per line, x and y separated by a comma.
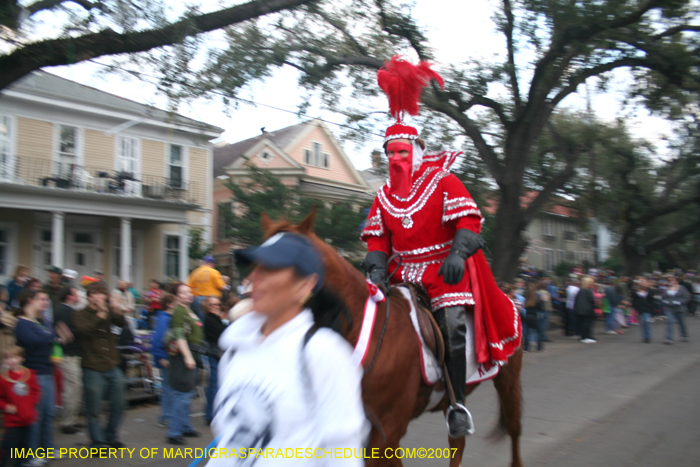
x,y
456,450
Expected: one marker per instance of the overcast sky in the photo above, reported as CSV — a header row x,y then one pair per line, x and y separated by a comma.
x,y
458,31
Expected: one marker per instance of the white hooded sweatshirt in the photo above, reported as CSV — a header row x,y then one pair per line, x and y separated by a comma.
x,y
264,401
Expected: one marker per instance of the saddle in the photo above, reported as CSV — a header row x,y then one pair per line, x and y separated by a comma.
x,y
428,326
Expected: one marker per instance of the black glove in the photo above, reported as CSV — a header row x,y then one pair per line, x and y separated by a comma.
x,y
375,265
465,244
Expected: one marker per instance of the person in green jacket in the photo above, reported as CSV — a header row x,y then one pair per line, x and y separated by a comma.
x,y
186,335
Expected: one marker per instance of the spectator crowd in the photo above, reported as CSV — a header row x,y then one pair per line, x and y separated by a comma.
x,y
67,343
618,303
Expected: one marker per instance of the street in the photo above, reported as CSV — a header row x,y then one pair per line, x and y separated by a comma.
x,y
616,403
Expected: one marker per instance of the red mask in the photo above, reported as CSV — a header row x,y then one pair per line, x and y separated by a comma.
x,y
400,168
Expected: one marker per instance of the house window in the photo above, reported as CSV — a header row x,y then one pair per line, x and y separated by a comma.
x,y
548,259
172,256
45,235
4,251
569,235
547,227
80,259
316,157
81,237
67,144
223,219
6,160
317,154
560,256
127,155
570,256
265,156
176,166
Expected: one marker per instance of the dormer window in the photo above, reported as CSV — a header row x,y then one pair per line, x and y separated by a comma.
x,y
315,157
265,156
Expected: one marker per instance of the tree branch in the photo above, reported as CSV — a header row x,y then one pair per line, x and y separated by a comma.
x,y
478,100
675,237
486,152
405,28
48,4
362,50
667,209
555,182
675,30
579,34
512,71
67,51
583,75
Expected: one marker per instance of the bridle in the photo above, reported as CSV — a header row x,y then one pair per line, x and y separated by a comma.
x,y
387,287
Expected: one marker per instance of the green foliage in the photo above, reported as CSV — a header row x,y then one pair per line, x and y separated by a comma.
x,y
649,203
563,269
337,223
615,262
197,248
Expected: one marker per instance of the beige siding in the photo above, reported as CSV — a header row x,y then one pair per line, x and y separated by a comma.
x,y
34,139
199,173
34,149
153,254
153,157
99,150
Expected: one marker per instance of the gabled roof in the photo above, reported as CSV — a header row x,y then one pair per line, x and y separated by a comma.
x,y
226,155
46,85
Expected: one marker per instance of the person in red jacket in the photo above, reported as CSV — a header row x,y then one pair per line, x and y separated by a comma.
x,y
19,396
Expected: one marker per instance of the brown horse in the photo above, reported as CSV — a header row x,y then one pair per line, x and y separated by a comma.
x,y
393,389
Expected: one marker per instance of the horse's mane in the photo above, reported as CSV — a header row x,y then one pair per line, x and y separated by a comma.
x,y
332,259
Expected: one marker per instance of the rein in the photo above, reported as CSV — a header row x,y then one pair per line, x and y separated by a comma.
x,y
387,286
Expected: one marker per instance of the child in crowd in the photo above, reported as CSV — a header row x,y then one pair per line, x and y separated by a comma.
x,y
19,396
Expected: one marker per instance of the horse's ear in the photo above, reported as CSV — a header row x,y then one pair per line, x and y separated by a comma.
x,y
306,226
266,224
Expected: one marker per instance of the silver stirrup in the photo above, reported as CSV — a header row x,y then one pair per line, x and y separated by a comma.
x,y
461,408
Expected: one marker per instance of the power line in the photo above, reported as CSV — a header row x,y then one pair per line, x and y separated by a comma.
x,y
139,74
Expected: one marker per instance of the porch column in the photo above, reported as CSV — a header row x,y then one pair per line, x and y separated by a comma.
x,y
125,250
184,252
57,243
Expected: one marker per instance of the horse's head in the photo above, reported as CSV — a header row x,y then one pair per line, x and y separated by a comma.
x,y
305,227
338,271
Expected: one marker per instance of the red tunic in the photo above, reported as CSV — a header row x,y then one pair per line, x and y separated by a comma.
x,y
22,390
420,228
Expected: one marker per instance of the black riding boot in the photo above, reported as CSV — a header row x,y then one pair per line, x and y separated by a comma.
x,y
453,325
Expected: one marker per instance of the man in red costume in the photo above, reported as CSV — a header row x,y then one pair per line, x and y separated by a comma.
x,y
426,216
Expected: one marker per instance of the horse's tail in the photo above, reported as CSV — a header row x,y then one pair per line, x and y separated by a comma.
x,y
499,431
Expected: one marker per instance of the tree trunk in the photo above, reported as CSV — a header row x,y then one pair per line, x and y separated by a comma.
x,y
508,239
634,261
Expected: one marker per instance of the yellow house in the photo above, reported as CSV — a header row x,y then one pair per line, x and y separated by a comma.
x,y
93,182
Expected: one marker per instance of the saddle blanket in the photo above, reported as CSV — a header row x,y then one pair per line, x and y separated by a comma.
x,y
432,373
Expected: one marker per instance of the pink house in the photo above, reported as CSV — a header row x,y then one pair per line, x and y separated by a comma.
x,y
305,155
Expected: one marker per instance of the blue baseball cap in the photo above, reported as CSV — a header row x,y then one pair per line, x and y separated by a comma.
x,y
285,250
209,259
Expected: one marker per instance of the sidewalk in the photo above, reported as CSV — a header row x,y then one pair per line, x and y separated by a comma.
x,y
139,431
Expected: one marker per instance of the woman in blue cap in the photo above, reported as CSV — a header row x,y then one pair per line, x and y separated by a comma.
x,y
288,390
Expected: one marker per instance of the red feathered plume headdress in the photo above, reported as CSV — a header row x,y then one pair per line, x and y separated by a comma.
x,y
403,82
